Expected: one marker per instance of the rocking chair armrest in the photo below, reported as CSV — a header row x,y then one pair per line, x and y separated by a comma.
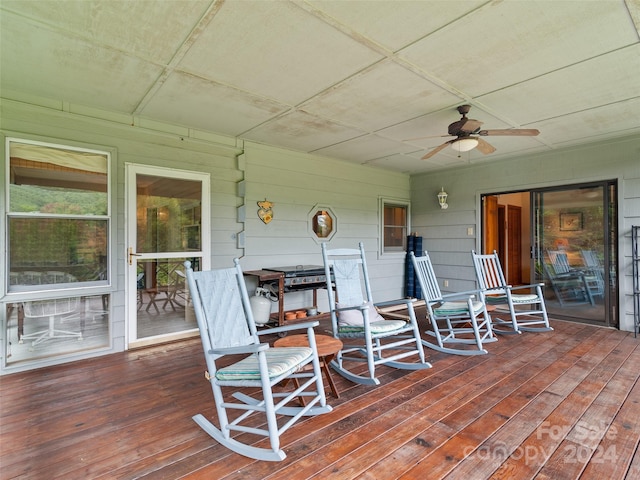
x,y
467,294
400,301
362,306
287,328
572,275
521,287
501,289
253,348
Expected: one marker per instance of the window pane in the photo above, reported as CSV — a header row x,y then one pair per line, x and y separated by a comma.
x,y
394,238
395,228
49,328
57,181
56,251
163,302
168,214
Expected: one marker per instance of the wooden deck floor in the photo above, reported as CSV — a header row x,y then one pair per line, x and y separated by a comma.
x,y
558,405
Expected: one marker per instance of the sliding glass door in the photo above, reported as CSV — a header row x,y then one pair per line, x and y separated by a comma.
x,y
562,236
574,254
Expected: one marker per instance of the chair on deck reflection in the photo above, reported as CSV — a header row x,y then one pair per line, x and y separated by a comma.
x,y
56,308
569,285
594,273
175,290
31,278
53,276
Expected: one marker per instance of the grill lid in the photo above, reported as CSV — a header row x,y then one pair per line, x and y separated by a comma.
x,y
297,270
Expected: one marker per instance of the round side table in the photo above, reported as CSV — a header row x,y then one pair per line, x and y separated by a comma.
x,y
327,347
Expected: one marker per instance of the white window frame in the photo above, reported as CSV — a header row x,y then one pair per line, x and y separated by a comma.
x,y
37,291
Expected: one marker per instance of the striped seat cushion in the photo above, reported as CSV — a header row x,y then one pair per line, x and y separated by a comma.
x,y
523,298
457,308
279,361
382,326
516,298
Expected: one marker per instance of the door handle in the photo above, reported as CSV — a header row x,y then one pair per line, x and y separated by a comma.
x,y
131,254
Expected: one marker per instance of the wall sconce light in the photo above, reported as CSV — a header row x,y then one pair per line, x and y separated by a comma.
x,y
442,199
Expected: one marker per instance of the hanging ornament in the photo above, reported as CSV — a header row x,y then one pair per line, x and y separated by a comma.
x,y
265,212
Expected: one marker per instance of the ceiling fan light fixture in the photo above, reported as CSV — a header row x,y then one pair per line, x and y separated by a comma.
x,y
464,144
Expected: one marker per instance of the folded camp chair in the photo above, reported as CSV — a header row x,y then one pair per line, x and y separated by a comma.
x,y
226,324
532,318
458,319
366,335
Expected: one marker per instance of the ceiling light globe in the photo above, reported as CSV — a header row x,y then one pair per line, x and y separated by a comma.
x,y
464,144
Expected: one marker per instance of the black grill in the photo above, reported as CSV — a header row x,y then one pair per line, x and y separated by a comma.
x,y
301,277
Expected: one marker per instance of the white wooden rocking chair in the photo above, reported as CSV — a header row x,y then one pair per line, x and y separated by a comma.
x,y
459,320
366,335
527,309
226,324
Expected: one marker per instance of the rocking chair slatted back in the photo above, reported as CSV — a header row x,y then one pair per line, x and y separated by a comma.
x,y
489,273
346,274
220,298
428,281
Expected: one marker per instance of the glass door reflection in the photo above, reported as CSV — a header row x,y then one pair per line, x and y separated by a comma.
x,y
573,254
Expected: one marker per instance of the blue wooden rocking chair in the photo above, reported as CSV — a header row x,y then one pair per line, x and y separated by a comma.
x,y
226,324
366,335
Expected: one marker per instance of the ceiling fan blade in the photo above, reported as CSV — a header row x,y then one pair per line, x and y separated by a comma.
x,y
422,138
484,147
471,125
526,132
436,150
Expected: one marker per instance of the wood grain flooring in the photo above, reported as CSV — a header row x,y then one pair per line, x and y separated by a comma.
x,y
557,405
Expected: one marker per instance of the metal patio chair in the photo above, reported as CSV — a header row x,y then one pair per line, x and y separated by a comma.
x,y
458,320
367,336
525,303
60,309
228,331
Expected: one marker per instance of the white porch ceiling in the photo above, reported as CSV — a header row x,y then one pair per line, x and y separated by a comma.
x,y
346,79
